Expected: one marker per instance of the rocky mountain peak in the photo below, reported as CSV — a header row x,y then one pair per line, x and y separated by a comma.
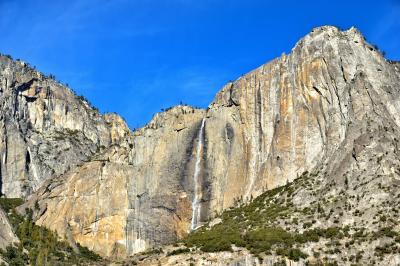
x,y
329,107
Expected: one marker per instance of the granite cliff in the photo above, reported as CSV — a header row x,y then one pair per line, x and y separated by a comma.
x,y
45,129
7,236
332,105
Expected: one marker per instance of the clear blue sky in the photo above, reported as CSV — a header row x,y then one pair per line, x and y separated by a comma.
x,y
136,57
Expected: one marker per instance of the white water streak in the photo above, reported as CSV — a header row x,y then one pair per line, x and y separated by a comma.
x,y
196,206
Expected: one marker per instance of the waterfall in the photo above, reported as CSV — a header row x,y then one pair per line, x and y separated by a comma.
x,y
196,206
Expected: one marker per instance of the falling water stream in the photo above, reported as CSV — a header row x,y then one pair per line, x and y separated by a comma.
x,y
196,206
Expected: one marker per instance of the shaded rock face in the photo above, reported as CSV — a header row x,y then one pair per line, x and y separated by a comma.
x,y
314,108
45,129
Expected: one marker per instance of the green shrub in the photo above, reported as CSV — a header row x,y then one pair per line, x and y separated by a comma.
x,y
7,204
87,253
14,256
292,253
216,246
178,251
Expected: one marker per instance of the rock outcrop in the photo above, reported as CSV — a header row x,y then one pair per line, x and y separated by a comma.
x,y
126,191
45,129
132,196
7,236
297,112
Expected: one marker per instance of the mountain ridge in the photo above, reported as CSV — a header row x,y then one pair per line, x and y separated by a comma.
x,y
298,112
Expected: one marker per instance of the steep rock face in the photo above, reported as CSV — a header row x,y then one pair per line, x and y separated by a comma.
x,y
45,129
312,109
7,236
296,112
133,196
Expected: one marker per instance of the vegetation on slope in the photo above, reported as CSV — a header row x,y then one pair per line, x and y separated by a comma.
x,y
273,225
39,245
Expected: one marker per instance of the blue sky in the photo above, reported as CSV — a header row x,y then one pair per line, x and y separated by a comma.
x,y
136,57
